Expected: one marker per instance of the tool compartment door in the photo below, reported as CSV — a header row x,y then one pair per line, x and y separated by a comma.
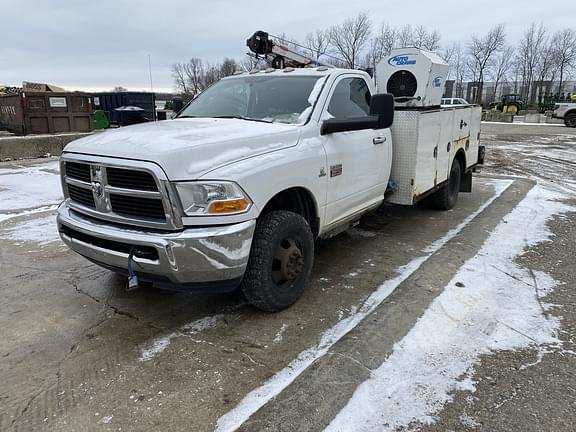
x,y
426,151
463,123
444,161
472,151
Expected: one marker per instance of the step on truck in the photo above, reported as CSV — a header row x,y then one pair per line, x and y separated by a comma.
x,y
235,190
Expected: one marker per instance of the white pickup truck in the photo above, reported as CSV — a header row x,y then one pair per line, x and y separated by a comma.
x,y
567,112
235,190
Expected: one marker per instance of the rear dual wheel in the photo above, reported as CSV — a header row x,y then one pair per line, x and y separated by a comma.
x,y
446,197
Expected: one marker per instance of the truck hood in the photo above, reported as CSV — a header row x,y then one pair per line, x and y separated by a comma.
x,y
188,148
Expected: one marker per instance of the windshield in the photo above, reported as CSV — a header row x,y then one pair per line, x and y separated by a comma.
x,y
281,99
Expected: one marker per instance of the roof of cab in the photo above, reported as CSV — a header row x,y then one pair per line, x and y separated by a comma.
x,y
318,71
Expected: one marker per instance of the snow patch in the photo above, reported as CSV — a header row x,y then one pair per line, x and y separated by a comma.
x,y
271,388
497,308
159,344
280,335
42,231
6,216
29,187
468,421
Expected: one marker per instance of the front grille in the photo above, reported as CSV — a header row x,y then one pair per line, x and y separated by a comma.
x,y
81,195
78,171
148,208
146,252
131,179
127,194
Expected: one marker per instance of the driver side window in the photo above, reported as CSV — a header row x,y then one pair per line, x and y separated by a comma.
x,y
351,98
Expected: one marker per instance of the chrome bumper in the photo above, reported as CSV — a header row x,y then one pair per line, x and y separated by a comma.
x,y
200,257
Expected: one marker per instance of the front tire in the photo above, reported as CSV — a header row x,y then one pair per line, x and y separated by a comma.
x,y
280,261
570,120
446,197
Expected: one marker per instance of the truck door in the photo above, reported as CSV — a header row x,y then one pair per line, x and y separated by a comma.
x,y
358,161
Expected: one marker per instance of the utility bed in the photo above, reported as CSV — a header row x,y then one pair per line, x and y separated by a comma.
x,y
425,143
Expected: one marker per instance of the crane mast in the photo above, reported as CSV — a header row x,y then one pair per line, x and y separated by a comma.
x,y
278,55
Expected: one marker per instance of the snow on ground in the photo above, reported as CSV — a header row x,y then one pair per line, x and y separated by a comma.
x,y
42,231
29,187
159,344
524,124
491,304
271,388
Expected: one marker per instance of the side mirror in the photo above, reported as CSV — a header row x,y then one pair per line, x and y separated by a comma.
x,y
349,124
382,105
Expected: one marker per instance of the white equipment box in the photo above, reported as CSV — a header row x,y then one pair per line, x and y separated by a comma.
x,y
425,144
415,77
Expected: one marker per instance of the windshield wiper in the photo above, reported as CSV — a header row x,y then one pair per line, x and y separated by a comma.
x,y
187,116
243,118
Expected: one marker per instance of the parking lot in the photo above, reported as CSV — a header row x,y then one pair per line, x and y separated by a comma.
x,y
457,320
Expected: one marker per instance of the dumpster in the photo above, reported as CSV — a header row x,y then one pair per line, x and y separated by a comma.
x,y
130,115
110,101
45,112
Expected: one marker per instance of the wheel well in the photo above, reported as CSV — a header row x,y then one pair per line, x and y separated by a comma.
x,y
461,158
297,200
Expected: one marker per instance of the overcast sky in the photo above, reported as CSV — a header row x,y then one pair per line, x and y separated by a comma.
x,y
101,44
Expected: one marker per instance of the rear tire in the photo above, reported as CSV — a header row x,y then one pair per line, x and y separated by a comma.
x,y
280,261
570,120
447,196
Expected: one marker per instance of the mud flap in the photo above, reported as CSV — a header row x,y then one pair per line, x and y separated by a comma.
x,y
466,182
481,154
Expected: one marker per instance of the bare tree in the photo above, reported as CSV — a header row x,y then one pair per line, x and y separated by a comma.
x,y
317,43
210,74
249,63
502,64
189,77
564,46
180,81
404,36
381,45
457,62
424,39
350,38
228,67
482,50
528,52
546,70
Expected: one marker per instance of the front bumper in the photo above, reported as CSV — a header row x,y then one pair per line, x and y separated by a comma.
x,y
196,258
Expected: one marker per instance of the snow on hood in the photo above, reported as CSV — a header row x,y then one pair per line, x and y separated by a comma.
x,y
188,148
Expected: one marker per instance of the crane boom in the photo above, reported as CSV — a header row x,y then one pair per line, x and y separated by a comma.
x,y
261,44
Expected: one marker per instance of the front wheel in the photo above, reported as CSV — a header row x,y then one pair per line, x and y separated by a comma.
x,y
280,261
570,120
445,198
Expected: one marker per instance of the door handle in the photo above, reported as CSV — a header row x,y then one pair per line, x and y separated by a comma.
x,y
378,140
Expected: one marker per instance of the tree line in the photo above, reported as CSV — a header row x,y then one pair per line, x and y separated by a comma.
x,y
541,55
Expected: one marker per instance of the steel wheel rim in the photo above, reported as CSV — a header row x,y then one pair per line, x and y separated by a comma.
x,y
288,262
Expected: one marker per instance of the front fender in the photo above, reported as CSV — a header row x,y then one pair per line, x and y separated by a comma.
x,y
262,177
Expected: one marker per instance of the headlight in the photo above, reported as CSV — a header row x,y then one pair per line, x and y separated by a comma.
x,y
212,198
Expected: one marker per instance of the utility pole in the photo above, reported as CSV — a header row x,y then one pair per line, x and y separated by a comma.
x,y
151,85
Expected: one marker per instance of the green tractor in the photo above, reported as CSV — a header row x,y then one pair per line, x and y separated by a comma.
x,y
510,103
